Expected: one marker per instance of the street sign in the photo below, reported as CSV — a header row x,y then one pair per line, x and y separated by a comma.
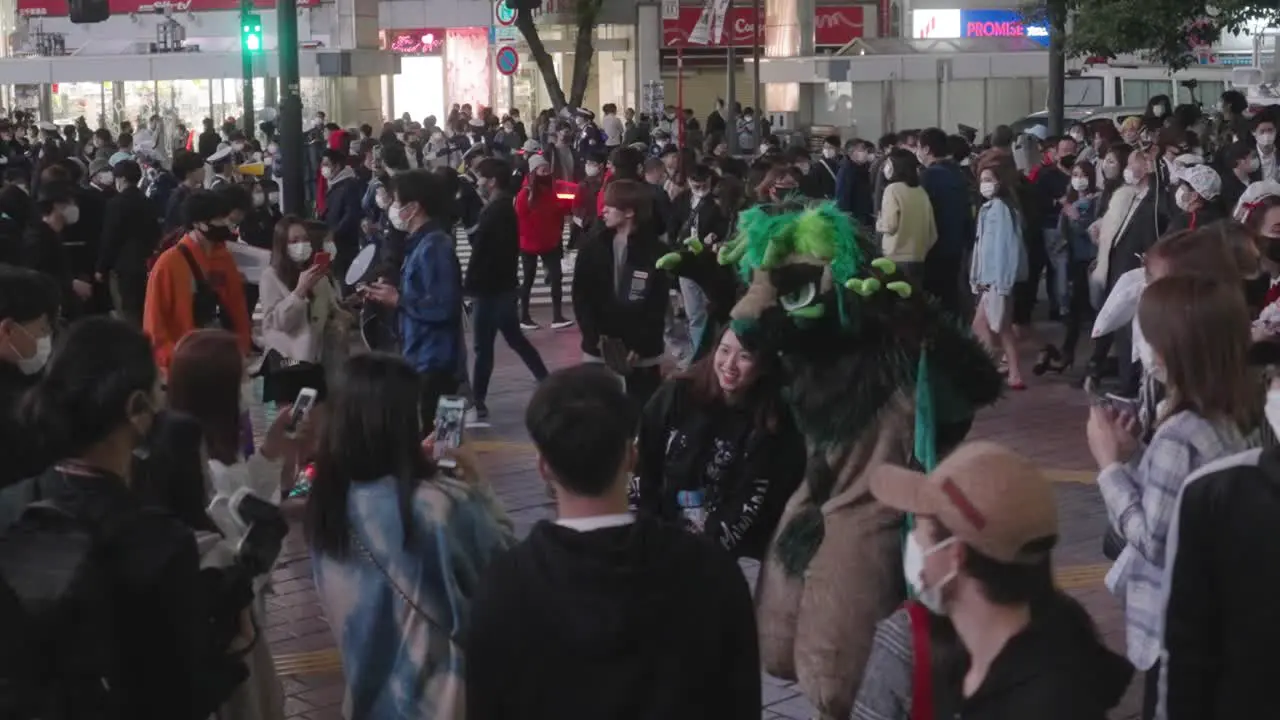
x,y
507,60
503,14
505,35
670,9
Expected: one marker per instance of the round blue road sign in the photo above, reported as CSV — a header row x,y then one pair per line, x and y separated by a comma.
x,y
508,60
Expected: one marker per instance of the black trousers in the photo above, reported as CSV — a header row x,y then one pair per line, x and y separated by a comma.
x,y
642,383
131,295
551,266
433,385
1080,309
1150,691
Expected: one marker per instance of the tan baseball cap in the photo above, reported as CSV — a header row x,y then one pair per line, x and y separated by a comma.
x,y
991,498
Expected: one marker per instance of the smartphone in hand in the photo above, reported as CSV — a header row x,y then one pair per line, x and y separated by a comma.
x,y
301,406
323,260
451,413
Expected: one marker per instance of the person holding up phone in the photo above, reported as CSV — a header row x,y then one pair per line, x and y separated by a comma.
x,y
428,301
301,318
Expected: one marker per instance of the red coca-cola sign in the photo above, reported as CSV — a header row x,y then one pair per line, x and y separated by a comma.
x,y
832,25
58,8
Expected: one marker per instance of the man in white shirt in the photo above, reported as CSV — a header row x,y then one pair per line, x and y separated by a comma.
x,y
612,125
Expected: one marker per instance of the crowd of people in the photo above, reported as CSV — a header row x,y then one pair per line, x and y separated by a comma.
x,y
134,340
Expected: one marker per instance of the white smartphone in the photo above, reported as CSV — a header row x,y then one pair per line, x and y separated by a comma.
x,y
451,413
301,406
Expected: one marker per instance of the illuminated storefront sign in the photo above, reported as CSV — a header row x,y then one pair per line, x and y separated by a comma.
x,y
952,24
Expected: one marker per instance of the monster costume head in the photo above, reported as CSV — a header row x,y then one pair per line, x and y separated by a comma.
x,y
853,333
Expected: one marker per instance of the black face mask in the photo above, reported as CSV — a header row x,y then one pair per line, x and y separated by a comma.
x,y
218,234
1067,161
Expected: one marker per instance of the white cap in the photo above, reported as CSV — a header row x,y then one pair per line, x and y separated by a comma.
x,y
476,122
1253,195
1204,180
46,125
537,161
221,154
530,147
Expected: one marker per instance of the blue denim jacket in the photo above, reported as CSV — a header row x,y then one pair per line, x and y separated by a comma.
x,y
1076,232
430,300
399,664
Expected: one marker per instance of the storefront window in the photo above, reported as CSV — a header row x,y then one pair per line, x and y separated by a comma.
x,y
75,100
141,100
315,97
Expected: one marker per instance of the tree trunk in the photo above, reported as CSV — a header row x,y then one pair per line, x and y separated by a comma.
x,y
546,66
584,52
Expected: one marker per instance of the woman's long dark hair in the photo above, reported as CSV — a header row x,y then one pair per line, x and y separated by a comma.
x,y
286,270
82,399
372,432
204,382
764,397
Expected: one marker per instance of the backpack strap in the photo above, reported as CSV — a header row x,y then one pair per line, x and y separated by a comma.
x,y
197,274
921,662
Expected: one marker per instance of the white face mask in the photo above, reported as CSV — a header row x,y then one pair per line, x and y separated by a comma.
x,y
326,172
105,179
259,199
988,189
238,147
1080,184
888,171
273,198
592,170
1265,139
381,200
913,564
38,359
1158,111
394,214
1131,177
300,252
71,214
331,248
828,153
1183,199
1078,137
1272,409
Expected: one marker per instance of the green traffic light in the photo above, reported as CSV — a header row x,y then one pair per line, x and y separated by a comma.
x,y
253,43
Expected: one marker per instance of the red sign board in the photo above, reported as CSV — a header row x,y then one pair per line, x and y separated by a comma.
x,y
58,8
415,41
831,26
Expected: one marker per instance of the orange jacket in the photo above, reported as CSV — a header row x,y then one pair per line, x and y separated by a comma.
x,y
167,316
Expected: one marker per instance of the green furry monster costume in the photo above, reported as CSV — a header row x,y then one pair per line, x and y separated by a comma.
x,y
874,372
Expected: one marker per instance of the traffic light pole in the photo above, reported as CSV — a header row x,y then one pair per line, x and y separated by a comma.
x,y
246,67
289,121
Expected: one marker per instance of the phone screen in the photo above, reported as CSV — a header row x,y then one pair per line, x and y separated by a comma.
x,y
451,413
306,400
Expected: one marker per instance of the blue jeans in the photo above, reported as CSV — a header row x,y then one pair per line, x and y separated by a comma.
x,y
695,308
499,314
1055,274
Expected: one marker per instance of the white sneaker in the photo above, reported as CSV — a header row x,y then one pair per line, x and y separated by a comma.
x,y
529,325
472,419
561,324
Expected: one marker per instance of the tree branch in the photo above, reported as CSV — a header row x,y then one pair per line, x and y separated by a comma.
x,y
584,49
546,66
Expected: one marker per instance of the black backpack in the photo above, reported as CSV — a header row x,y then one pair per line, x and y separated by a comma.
x,y
59,657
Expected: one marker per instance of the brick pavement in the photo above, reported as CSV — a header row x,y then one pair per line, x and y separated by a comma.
x,y
1046,422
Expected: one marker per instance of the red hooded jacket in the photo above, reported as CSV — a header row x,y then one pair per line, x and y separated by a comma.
x,y
542,219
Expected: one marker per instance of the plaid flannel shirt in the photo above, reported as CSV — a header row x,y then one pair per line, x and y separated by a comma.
x,y
1141,498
